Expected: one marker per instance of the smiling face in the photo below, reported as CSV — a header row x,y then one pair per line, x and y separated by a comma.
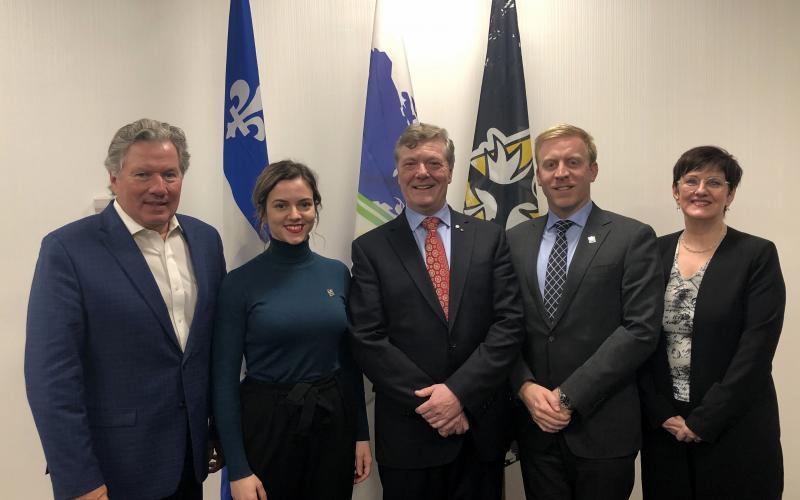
x,y
565,174
703,194
290,211
148,185
424,174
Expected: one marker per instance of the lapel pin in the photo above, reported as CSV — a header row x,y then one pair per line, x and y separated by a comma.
x,y
330,292
459,228
592,239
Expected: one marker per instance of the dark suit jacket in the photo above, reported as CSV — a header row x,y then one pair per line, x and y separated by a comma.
x,y
606,326
733,407
403,342
111,391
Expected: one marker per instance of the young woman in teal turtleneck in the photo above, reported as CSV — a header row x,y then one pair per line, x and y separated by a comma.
x,y
296,427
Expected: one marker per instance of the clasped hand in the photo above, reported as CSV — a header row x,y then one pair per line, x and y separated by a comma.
x,y
544,407
677,427
442,410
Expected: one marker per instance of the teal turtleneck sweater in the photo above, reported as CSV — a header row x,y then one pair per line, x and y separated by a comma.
x,y
285,312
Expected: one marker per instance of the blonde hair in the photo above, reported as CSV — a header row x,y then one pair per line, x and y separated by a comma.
x,y
565,130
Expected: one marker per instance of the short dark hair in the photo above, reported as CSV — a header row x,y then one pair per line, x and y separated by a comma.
x,y
708,157
284,170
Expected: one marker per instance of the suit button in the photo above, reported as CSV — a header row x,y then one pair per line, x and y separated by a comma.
x,y
452,347
550,338
182,404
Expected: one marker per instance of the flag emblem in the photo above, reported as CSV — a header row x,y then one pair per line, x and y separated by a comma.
x,y
499,166
245,117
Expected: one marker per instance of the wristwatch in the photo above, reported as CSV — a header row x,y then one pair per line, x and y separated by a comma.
x,y
564,400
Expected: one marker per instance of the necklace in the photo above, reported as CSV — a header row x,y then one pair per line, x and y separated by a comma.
x,y
704,250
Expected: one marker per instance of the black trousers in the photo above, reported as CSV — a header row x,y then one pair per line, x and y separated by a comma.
x,y
737,466
466,478
300,438
557,474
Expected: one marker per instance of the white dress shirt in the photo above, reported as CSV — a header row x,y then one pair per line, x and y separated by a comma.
x,y
171,265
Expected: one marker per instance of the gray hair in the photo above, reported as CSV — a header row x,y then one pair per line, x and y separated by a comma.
x,y
423,132
145,129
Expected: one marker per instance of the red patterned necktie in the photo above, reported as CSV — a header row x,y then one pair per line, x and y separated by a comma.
x,y
436,262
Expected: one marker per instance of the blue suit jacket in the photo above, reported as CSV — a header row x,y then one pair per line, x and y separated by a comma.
x,y
113,396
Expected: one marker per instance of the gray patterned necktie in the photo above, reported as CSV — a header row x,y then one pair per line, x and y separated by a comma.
x,y
556,269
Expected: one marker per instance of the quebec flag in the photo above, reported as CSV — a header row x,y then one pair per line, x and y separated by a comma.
x,y
245,144
390,109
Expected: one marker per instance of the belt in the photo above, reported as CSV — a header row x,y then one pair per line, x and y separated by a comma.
x,y
305,394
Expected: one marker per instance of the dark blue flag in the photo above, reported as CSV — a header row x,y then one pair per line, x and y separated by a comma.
x,y
500,185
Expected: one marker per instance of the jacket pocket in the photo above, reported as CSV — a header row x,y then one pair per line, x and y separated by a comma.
x,y
112,418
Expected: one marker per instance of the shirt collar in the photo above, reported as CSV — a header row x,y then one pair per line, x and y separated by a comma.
x,y
134,227
416,218
579,218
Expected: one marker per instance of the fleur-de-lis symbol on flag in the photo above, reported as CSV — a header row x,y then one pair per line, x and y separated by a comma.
x,y
245,117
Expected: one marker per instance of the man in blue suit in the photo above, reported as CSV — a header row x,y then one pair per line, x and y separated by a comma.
x,y
119,333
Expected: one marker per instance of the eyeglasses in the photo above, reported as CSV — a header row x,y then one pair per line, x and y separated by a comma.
x,y
712,183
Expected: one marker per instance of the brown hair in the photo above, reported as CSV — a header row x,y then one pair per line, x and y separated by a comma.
x,y
284,170
422,132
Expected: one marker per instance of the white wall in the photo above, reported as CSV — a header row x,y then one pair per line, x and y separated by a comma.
x,y
649,79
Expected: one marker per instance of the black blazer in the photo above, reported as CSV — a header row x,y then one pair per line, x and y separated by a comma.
x,y
606,326
403,343
733,407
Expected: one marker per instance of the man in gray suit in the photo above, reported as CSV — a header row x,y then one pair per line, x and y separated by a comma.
x,y
593,305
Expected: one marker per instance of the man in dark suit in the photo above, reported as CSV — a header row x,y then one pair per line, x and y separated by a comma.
x,y
437,325
119,333
593,305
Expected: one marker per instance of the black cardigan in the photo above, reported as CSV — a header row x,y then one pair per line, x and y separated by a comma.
x,y
737,322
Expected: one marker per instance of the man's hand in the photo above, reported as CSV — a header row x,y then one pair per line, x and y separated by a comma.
x,y
441,407
363,461
99,493
458,425
215,458
248,488
677,427
544,407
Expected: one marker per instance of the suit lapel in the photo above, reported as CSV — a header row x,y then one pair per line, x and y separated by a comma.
x,y
201,277
462,240
598,225
120,243
668,258
402,241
